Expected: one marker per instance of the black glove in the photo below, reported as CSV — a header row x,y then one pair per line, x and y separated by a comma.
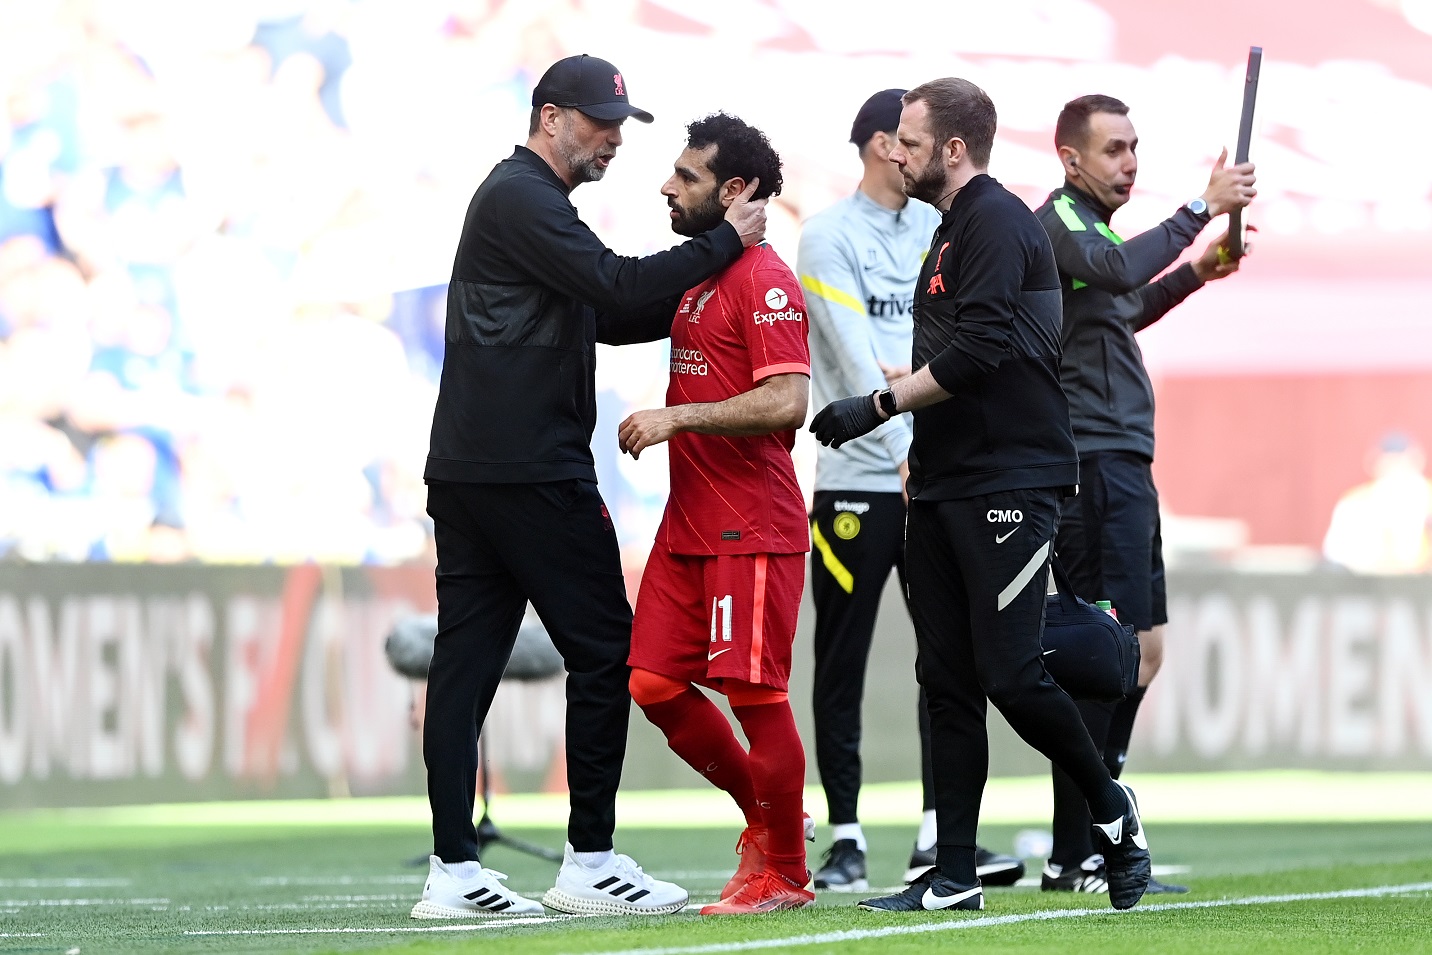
x,y
845,419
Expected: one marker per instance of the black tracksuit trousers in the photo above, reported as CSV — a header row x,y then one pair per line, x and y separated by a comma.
x,y
978,570
854,550
499,546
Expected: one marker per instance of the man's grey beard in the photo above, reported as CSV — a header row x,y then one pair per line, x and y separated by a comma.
x,y
583,168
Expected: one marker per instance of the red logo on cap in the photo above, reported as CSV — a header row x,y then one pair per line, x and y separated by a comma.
x,y
617,79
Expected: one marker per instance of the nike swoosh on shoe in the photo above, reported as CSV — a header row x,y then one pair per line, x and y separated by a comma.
x,y
933,902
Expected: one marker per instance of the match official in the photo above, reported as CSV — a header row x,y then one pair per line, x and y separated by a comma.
x,y
1109,540
991,460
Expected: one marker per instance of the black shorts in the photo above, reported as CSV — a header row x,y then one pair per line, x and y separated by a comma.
x,y
1110,541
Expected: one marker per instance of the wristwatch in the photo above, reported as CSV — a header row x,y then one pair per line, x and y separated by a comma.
x,y
887,403
1198,207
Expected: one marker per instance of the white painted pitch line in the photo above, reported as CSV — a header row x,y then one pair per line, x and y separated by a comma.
x,y
65,903
497,922
281,880
63,883
858,935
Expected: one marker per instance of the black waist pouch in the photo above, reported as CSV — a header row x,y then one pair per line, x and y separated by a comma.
x,y
1089,654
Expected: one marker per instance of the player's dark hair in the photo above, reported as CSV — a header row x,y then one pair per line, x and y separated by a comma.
x,y
742,151
958,109
534,122
1072,128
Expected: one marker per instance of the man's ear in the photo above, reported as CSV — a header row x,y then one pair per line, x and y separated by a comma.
x,y
955,150
549,118
732,188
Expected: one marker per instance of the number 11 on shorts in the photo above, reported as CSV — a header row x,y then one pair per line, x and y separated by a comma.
x,y
721,607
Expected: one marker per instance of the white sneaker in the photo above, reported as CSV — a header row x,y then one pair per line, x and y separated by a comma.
x,y
617,888
445,896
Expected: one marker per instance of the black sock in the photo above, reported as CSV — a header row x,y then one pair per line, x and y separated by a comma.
x,y
1073,839
1121,728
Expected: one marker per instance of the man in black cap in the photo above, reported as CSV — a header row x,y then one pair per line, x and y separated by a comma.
x,y
512,487
858,262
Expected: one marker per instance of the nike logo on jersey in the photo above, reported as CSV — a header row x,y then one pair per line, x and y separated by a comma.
x,y
933,902
1047,652
712,656
1001,538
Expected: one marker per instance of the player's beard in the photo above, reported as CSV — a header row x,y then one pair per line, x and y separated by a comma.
x,y
583,166
928,185
701,218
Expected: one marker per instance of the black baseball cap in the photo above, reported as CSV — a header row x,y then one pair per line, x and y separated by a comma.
x,y
589,84
879,114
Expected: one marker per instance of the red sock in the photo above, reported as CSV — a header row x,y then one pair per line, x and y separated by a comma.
x,y
700,734
778,774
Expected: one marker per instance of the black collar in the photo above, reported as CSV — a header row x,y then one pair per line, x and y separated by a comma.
x,y
1100,210
527,156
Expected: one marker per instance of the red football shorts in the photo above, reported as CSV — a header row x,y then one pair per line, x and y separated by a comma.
x,y
706,619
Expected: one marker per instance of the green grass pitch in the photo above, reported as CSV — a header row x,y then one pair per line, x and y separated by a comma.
x,y
331,877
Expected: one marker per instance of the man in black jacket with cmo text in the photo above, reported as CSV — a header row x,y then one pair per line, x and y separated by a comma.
x,y
1109,539
512,486
991,460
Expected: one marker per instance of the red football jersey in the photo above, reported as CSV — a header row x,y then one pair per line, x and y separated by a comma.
x,y
736,495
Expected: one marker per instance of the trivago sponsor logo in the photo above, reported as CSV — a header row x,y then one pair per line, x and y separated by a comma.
x,y
689,361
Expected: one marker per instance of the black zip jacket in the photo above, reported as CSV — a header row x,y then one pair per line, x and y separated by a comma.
x,y
533,290
987,324
1108,296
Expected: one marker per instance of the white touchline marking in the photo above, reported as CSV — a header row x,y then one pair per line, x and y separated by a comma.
x,y
63,883
338,880
52,903
858,935
498,922
22,934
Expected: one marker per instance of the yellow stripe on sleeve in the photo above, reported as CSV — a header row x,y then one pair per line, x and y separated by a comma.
x,y
831,294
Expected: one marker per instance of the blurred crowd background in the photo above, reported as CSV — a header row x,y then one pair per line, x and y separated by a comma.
x,y
225,231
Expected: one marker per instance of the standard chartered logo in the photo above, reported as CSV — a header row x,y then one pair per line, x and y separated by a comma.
x,y
688,361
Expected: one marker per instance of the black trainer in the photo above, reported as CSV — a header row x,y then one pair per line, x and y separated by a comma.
x,y
1164,888
1126,854
1089,877
991,867
921,861
844,868
929,893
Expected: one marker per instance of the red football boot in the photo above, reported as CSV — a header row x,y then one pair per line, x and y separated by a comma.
x,y
766,891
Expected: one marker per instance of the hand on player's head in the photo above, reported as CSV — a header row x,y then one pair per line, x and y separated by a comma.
x,y
1229,187
748,215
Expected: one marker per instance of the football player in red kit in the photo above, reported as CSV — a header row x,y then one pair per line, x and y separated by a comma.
x,y
719,598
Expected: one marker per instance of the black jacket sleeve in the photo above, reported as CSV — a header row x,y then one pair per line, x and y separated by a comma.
x,y
1093,258
1157,298
542,230
990,274
649,324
